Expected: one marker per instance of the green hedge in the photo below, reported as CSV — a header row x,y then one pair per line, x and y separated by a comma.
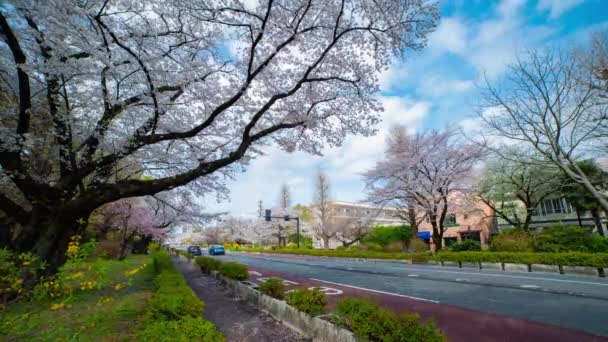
x,y
174,311
208,264
234,270
564,259
370,322
185,329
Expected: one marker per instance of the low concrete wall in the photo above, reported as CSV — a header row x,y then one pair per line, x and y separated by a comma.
x,y
545,268
491,266
317,329
516,267
581,270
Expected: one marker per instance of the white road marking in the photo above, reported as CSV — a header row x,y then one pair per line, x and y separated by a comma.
x,y
286,282
376,291
330,291
255,273
459,279
530,286
413,275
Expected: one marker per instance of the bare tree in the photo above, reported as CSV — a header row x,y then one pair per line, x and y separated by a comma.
x,y
322,210
429,168
544,105
284,197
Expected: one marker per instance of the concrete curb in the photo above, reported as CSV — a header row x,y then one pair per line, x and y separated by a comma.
x,y
317,329
507,267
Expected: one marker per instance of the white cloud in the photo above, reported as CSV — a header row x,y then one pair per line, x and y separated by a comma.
x,y
451,36
343,165
557,7
435,86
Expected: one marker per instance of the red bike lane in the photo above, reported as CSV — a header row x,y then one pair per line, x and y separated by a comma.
x,y
458,324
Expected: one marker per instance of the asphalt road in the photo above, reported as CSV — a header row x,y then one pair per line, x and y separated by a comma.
x,y
466,303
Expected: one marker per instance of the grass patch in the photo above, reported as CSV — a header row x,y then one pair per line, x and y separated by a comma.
x,y
110,312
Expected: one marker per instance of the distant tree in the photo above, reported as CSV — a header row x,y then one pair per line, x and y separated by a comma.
x,y
130,220
427,167
285,197
322,210
514,189
357,226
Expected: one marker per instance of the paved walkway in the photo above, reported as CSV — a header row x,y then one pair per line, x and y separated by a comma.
x,y
236,319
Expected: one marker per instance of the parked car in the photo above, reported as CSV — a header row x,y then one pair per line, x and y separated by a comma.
x,y
216,250
195,250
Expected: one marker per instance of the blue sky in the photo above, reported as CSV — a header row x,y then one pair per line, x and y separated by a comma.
x,y
433,88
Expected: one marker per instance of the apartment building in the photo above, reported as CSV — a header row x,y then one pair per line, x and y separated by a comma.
x,y
347,213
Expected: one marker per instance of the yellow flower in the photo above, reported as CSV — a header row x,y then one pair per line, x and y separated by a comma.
x,y
119,286
57,306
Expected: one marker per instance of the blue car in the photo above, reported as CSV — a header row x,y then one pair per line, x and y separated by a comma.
x,y
216,250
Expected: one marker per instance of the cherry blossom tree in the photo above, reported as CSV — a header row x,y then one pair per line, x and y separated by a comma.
x,y
429,168
183,91
130,219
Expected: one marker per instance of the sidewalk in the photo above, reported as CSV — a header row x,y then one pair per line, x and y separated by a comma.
x,y
237,320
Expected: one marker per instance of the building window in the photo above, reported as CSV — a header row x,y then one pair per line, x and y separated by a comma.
x,y
450,220
555,206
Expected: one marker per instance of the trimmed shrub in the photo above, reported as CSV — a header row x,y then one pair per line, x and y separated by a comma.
x,y
208,264
370,322
512,240
466,245
311,302
568,238
173,298
234,270
273,287
185,329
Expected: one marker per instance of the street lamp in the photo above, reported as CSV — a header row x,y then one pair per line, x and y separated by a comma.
x,y
268,217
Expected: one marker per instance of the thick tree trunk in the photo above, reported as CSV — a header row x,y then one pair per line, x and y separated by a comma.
x,y
325,242
578,216
47,235
598,221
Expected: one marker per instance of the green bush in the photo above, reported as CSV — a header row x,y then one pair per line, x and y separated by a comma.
x,y
385,235
311,302
234,270
568,238
183,330
208,264
273,287
418,246
370,322
466,245
341,248
512,240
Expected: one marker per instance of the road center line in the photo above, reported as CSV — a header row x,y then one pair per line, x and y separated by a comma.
x,y
376,291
